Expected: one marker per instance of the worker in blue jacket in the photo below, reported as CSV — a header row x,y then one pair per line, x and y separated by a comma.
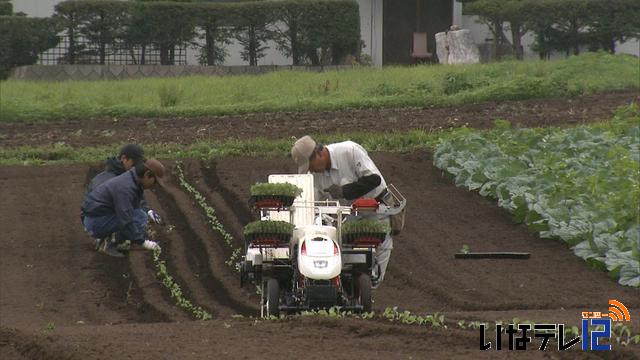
x,y
112,213
129,156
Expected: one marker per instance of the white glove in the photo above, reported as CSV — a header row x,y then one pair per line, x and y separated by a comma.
x,y
153,215
150,245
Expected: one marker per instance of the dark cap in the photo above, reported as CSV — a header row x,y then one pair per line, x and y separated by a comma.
x,y
155,167
133,152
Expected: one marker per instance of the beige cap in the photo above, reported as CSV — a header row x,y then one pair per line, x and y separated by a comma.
x,y
301,152
155,167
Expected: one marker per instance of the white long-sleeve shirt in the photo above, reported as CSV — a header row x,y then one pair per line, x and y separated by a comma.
x,y
349,162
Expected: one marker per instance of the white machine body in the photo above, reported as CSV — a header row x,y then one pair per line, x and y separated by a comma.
x,y
319,255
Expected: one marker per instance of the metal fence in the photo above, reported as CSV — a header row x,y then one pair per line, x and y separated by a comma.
x,y
88,53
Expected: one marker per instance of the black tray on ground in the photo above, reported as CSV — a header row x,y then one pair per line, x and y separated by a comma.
x,y
492,255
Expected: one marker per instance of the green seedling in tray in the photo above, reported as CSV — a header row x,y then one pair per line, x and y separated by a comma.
x,y
279,189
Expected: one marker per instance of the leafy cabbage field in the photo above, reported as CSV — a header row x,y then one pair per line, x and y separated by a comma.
x,y
580,184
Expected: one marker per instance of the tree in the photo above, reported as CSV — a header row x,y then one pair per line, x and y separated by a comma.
x,y
22,39
101,24
610,21
492,14
252,30
290,38
6,8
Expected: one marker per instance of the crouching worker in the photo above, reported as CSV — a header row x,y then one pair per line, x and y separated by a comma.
x,y
130,155
111,210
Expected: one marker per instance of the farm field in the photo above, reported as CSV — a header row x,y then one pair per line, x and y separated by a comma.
x,y
60,299
68,300
102,132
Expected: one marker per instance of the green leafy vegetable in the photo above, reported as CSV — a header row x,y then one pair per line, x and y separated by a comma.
x,y
580,185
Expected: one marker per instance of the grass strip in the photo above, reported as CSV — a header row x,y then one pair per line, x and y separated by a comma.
x,y
421,86
61,153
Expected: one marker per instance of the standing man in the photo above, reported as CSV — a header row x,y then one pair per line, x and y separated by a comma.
x,y
112,209
345,171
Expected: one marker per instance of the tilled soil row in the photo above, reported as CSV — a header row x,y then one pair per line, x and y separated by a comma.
x,y
527,113
196,256
423,276
53,279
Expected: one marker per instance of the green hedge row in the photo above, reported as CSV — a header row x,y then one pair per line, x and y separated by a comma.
x,y
6,9
304,30
22,39
559,25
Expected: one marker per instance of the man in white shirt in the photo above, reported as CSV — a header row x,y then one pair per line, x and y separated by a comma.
x,y
344,171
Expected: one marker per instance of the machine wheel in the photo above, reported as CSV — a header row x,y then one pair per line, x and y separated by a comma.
x,y
363,292
273,298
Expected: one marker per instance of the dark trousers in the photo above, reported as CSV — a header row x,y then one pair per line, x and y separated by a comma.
x,y
103,226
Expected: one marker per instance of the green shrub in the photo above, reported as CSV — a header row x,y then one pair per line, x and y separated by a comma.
x,y
454,83
385,89
6,8
279,189
22,39
314,27
559,25
100,22
169,95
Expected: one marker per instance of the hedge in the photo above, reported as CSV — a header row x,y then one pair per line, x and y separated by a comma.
x,y
6,8
560,25
315,27
22,39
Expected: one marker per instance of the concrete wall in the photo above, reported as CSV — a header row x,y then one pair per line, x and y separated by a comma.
x,y
124,72
371,29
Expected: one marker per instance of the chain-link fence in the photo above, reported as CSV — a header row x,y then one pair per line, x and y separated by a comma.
x,y
82,51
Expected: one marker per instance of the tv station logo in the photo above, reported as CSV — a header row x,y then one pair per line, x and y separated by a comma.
x,y
596,327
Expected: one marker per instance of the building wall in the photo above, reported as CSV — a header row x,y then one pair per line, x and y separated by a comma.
x,y
35,8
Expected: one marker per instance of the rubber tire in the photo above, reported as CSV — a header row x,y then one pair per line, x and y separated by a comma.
x,y
273,298
363,292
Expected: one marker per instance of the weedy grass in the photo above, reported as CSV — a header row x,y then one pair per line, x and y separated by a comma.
x,y
299,91
61,153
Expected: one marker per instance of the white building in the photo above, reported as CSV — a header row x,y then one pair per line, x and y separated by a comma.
x,y
386,28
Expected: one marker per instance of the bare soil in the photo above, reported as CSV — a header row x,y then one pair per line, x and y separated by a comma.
x,y
546,112
59,299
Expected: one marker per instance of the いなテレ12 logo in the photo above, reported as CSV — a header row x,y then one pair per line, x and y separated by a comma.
x,y
591,339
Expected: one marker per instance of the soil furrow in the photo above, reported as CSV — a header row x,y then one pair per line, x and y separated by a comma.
x,y
207,268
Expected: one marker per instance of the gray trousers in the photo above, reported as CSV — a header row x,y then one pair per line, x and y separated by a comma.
x,y
383,254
